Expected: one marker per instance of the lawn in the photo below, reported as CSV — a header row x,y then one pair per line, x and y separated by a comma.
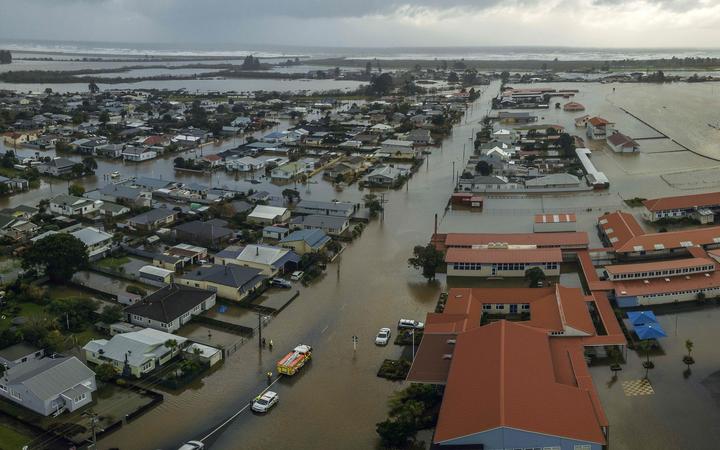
x,y
26,310
113,263
11,439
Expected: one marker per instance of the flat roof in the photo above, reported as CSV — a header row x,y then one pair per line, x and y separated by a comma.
x,y
504,255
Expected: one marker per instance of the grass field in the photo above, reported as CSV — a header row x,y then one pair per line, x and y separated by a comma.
x,y
26,310
11,439
113,263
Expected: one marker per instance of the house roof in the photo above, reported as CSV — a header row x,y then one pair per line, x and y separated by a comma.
x,y
91,236
651,286
315,238
598,121
209,230
49,377
504,255
267,212
488,387
619,139
710,199
262,254
617,269
555,218
18,351
151,216
562,239
321,221
138,346
169,303
231,275
619,227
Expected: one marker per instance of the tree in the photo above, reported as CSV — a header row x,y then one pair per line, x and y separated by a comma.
x,y
90,164
59,255
428,259
76,189
111,314
73,313
172,344
373,204
291,195
5,57
104,117
615,358
105,372
646,347
534,275
395,433
505,76
53,342
484,168
93,88
453,77
381,84
688,359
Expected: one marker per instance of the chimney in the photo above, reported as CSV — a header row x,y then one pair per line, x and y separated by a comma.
x,y
435,223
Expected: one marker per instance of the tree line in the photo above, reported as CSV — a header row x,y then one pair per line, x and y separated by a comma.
x,y
5,57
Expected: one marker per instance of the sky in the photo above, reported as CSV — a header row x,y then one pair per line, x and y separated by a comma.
x,y
370,23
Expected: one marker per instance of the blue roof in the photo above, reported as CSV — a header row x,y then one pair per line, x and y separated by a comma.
x,y
272,229
650,331
641,317
315,237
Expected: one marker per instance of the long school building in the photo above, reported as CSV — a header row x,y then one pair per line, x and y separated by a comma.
x,y
501,262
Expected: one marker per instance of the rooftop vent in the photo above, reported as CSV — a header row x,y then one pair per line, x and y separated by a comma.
x,y
667,280
451,341
447,356
646,281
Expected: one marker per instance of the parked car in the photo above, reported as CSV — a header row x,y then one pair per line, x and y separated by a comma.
x,y
192,445
383,336
280,282
263,403
409,323
297,275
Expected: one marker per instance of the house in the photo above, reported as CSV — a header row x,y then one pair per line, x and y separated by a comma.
x,y
270,260
212,233
135,353
170,308
291,170
332,225
98,242
169,262
112,151
213,160
573,107
568,242
503,136
20,212
14,184
244,164
156,276
188,254
386,176
153,219
69,205
17,229
18,354
57,167
204,353
341,209
305,241
273,232
15,138
49,385
420,136
599,128
398,149
113,209
122,194
138,154
619,143
264,214
231,282
501,261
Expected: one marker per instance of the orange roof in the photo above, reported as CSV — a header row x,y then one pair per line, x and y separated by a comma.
x,y
709,199
619,227
569,239
668,285
555,218
617,269
598,121
671,240
489,387
573,106
503,255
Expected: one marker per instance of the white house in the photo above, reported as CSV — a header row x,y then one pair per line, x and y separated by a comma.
x,y
69,205
138,154
97,241
265,214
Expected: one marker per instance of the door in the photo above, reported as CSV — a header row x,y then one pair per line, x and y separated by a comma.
x,y
513,309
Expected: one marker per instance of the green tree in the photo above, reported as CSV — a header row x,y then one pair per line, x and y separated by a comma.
x,y
93,88
105,372
453,77
53,342
59,255
111,314
426,258
534,275
505,76
484,168
567,145
372,203
104,117
76,189
646,347
381,84
74,314
395,433
291,195
89,164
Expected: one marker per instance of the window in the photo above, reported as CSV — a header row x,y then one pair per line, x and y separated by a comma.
x,y
581,447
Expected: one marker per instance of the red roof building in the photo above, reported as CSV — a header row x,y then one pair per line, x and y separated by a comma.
x,y
568,241
683,206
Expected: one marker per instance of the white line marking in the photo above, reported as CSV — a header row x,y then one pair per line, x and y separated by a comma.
x,y
239,412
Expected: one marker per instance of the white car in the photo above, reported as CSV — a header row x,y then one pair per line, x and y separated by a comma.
x,y
410,324
263,403
297,275
192,445
383,336
281,283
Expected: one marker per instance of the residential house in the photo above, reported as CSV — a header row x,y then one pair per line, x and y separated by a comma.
x,y
122,194
599,128
138,154
98,242
69,205
291,170
57,167
265,214
230,281
273,232
189,254
18,229
135,353
244,164
305,241
270,260
386,176
112,151
113,209
170,308
420,136
399,149
49,386
332,225
153,219
213,233
18,354
619,143
341,209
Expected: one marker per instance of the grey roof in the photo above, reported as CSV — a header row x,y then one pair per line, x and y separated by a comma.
x,y
169,303
120,191
228,275
231,252
151,216
18,351
241,206
318,221
138,346
49,377
331,208
209,230
151,183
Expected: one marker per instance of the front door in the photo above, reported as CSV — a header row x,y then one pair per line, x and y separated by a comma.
x,y
513,309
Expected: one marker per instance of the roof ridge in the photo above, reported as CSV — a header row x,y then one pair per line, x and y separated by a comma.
x,y
502,371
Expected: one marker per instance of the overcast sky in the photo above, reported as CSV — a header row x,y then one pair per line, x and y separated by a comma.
x,y
583,23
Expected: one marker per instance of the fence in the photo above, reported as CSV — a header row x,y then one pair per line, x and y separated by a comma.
x,y
240,330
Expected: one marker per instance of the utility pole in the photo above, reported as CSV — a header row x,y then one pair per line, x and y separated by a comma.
x,y
93,425
453,172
